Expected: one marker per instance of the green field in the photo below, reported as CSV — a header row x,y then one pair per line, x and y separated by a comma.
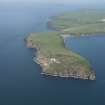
x,y
79,22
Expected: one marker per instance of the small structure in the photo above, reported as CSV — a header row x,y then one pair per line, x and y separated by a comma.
x,y
54,60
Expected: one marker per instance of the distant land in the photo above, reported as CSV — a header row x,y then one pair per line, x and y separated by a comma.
x,y
79,22
52,55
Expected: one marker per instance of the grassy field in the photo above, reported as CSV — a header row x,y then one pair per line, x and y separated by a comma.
x,y
80,22
50,43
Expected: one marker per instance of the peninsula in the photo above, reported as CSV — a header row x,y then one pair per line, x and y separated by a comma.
x,y
52,55
55,59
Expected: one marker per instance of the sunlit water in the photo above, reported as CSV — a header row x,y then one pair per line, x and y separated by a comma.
x,y
20,80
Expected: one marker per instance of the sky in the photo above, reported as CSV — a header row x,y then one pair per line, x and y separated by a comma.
x,y
57,1
71,2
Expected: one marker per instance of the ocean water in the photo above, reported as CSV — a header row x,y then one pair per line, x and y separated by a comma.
x,y
20,80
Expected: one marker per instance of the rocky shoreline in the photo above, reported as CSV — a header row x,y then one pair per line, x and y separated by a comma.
x,y
70,76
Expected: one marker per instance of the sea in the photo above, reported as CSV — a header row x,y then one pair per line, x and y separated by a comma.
x,y
21,82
